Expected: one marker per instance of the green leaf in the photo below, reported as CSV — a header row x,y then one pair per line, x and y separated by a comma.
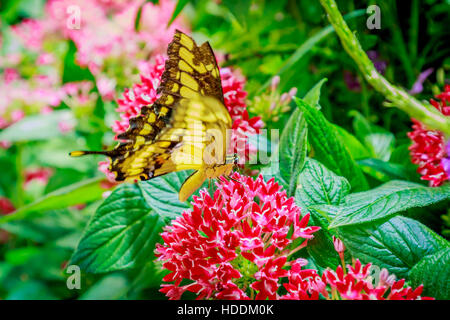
x,y
110,287
122,233
287,162
37,127
312,97
434,273
318,185
382,170
384,201
179,7
321,247
329,149
397,244
81,192
161,194
354,146
47,227
378,140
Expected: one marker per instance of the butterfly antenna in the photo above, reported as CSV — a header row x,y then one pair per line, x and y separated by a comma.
x,y
83,153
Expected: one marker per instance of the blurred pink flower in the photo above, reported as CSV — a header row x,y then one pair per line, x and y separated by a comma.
x,y
31,32
10,75
65,126
106,87
40,174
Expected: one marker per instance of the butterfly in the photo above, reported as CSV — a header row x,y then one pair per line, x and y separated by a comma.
x,y
188,126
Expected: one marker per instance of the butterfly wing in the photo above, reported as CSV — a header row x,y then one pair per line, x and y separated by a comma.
x,y
146,148
195,138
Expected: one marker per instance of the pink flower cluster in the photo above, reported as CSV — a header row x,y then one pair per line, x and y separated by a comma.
x,y
106,42
428,148
234,245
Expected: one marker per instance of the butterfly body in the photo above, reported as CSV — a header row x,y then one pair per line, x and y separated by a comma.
x,y
187,127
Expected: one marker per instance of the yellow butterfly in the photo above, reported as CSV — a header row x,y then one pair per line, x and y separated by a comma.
x,y
187,127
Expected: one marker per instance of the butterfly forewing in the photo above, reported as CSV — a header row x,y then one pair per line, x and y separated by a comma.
x,y
187,125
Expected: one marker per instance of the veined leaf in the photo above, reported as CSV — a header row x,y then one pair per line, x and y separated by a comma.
x,y
318,185
312,97
329,149
433,271
384,201
397,244
161,194
122,233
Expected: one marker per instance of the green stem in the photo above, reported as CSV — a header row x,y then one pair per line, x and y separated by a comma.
x,y
423,112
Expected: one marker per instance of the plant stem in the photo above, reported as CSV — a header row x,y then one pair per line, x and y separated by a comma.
x,y
423,112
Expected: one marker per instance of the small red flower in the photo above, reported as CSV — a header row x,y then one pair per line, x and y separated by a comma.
x,y
428,148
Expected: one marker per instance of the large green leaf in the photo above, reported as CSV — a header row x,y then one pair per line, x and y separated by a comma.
x,y
397,244
289,158
122,233
383,170
433,271
329,149
161,194
318,185
77,193
384,201
37,127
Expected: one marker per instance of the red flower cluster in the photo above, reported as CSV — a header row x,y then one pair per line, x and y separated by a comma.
x,y
234,245
428,148
355,282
